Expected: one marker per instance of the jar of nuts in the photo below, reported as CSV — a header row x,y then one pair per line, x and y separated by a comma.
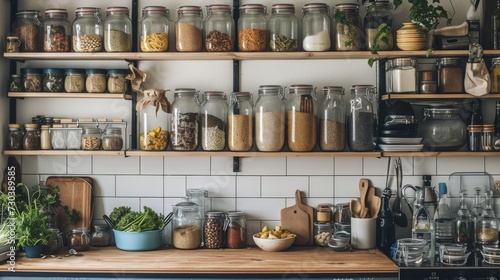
x,y
88,30
79,239
219,29
322,233
91,138
213,229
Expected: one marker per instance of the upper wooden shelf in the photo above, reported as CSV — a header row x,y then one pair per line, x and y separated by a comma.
x,y
441,154
438,96
68,95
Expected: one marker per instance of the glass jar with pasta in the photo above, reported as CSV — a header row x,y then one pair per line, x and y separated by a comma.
x,y
154,28
219,29
154,113
252,28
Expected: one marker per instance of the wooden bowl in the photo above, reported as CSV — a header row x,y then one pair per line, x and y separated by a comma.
x,y
274,245
411,46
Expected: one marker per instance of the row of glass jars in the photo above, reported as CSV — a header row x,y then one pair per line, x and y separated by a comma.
x,y
269,114
72,80
79,239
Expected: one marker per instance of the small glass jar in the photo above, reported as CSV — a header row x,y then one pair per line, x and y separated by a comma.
x,y
73,137
154,121
28,28
402,75
324,213
315,24
283,29
56,31
117,30
74,80
185,120
112,139
88,30
379,13
15,83
361,120
79,239
302,120
236,230
154,26
442,129
474,138
31,140
487,138
270,119
219,29
91,138
58,137
332,120
12,44
240,122
487,223
55,244
32,79
252,28
342,213
451,75
495,75
116,80
101,236
189,29
213,229
186,225
53,79
348,29
95,82
213,121
15,137
45,141
322,233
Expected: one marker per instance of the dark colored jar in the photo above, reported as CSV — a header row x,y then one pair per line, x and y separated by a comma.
x,y
53,80
31,141
15,137
451,75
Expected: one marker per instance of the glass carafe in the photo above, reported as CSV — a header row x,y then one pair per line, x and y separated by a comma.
x,y
186,225
487,224
360,120
332,120
464,225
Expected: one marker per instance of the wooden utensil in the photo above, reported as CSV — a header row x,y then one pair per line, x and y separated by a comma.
x,y
369,200
375,206
355,208
310,212
363,189
297,221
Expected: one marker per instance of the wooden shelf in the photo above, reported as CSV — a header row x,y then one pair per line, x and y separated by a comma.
x,y
409,96
62,153
441,154
68,95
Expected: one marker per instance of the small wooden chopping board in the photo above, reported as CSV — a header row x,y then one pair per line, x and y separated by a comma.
x,y
299,219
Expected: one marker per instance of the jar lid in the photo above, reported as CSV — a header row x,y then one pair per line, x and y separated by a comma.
x,y
53,71
235,213
92,130
28,12
50,12
269,87
117,9
95,71
276,8
184,91
362,87
450,61
214,93
220,7
186,204
86,10
214,214
301,87
336,89
80,230
347,6
242,94
488,129
15,76
323,224
315,6
252,7
442,110
31,125
113,130
14,125
12,38
155,9
45,126
118,71
74,71
31,70
101,227
342,205
196,9
478,128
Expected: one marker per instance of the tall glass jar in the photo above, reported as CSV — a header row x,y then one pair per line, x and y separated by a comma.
x,y
332,120
495,73
154,121
88,30
378,13
451,75
213,229
348,28
28,28
283,29
117,30
487,223
185,120
252,28
189,29
236,230
79,239
198,196
360,120
56,31
270,119
31,140
15,137
154,26
240,122
315,27
186,225
213,121
442,129
302,120
219,29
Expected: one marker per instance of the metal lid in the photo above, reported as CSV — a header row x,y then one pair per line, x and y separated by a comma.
x,y
74,71
28,12
347,6
184,91
437,110
113,130
189,9
214,214
56,12
214,93
95,71
219,7
252,7
450,61
336,89
87,10
92,130
155,9
53,71
117,9
403,61
242,94
235,213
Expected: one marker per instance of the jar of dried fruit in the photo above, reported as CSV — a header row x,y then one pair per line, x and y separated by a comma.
x,y
270,118
332,120
189,29
240,122
117,30
185,120
213,121
28,28
283,28
56,31
315,27
88,30
154,27
252,28
302,120
79,239
219,29
154,114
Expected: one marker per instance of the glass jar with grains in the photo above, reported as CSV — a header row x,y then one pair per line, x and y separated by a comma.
x,y
186,225
315,27
219,29
236,230
185,120
53,79
154,27
378,13
32,79
112,139
240,122
252,28
302,120
79,239
213,229
189,29
95,81
28,28
361,133
283,28
117,30
101,236
74,80
56,31
348,27
116,80
31,140
15,137
91,138
213,121
270,119
154,120
332,120
87,30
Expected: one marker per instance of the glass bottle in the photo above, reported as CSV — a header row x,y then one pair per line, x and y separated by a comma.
x,y
88,32
240,122
252,28
283,28
348,28
31,141
443,218
79,239
477,207
154,121
56,31
28,28
45,142
496,137
213,121
53,79
15,137
112,139
101,236
270,119
91,139
32,79
189,29
378,13
185,120
386,232
322,233
213,229
315,24
236,230
476,117
219,29
154,29
464,225
186,225
301,117
487,224
495,26
117,30
332,120
360,120
495,71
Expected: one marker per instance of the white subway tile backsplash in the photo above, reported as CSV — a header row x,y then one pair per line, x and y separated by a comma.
x,y
449,165
348,165
261,208
248,186
262,166
115,165
222,166
284,186
321,186
44,165
104,185
347,186
154,203
425,165
151,165
374,166
33,180
492,165
187,165
309,166
79,165
217,186
223,204
139,186
174,186
104,205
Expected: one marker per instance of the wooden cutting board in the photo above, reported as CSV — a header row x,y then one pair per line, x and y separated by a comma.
x,y
76,193
310,212
298,221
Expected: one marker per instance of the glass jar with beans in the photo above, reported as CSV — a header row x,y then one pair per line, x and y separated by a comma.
x,y
213,229
91,138
88,30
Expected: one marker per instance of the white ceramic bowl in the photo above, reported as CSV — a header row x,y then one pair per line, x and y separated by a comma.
x,y
274,245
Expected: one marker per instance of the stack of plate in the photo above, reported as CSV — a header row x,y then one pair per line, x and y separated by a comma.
x,y
409,39
395,144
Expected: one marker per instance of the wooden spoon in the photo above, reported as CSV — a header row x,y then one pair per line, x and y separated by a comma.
x,y
363,189
375,206
355,208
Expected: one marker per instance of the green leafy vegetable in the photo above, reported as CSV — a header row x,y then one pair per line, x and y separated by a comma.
x,y
127,220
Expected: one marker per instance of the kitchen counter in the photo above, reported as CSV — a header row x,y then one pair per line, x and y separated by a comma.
x,y
254,261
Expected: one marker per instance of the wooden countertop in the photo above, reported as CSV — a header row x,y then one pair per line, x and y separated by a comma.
x,y
306,260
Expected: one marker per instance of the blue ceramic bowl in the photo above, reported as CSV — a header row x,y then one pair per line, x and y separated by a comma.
x,y
138,241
